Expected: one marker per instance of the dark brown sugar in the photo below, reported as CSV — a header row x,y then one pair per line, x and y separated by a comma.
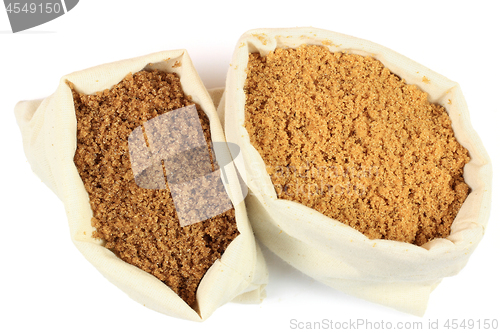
x,y
141,225
341,134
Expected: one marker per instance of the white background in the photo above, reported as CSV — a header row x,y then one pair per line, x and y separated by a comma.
x,y
47,285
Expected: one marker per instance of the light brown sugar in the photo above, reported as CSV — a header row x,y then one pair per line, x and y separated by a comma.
x,y
341,134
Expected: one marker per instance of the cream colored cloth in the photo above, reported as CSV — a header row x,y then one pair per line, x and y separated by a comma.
x,y
395,274
48,129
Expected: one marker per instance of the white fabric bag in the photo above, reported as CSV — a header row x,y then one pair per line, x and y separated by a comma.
x,y
48,129
391,273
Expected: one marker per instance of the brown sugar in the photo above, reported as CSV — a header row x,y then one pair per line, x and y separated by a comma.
x,y
341,134
141,225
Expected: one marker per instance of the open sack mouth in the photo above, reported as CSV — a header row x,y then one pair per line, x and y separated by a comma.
x,y
142,218
364,171
139,157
